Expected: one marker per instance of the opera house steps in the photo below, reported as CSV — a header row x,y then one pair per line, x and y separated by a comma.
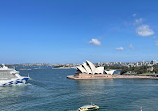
x,y
90,76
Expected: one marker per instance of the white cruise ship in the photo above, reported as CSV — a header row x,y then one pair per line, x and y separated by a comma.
x,y
11,77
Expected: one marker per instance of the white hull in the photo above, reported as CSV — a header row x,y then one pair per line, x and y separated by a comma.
x,y
14,81
11,77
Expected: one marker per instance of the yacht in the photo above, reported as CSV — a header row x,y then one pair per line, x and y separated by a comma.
x,y
11,77
89,108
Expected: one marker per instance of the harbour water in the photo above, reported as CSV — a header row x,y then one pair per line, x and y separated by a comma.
x,y
50,90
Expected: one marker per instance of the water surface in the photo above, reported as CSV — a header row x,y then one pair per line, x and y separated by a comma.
x,y
50,90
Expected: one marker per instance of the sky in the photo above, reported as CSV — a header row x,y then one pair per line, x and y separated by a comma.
x,y
72,31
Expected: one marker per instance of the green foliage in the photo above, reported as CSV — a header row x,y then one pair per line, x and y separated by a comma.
x,y
156,69
114,67
124,70
136,70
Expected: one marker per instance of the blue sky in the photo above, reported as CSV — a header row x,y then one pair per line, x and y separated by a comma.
x,y
72,31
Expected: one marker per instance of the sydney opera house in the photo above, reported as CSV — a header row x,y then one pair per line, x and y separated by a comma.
x,y
88,70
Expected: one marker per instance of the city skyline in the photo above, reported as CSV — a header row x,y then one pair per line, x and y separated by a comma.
x,y
71,31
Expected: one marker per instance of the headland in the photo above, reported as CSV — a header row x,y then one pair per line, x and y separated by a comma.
x,y
88,71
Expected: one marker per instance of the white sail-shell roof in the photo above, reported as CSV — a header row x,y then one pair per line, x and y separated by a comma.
x,y
92,67
81,69
87,68
110,71
99,70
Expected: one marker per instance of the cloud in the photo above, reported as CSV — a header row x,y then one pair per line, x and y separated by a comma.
x,y
95,42
131,46
120,48
138,21
134,15
144,30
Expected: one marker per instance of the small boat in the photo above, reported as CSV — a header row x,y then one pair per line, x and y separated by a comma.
x,y
88,108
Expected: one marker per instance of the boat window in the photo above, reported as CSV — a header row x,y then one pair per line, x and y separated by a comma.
x,y
90,108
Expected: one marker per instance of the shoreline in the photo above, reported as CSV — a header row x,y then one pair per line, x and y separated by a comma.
x,y
107,76
63,68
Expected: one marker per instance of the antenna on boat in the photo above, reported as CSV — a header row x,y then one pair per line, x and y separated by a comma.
x,y
28,75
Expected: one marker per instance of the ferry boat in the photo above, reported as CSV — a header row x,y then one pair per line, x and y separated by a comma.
x,y
11,77
88,108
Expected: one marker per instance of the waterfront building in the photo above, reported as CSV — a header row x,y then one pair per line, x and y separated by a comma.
x,y
89,68
111,72
153,62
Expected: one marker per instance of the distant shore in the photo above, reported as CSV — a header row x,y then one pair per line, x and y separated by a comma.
x,y
63,68
24,69
133,77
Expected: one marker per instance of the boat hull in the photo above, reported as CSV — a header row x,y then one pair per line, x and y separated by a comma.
x,y
14,81
89,108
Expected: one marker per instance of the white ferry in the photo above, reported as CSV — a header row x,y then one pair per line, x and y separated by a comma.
x,y
11,77
88,108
